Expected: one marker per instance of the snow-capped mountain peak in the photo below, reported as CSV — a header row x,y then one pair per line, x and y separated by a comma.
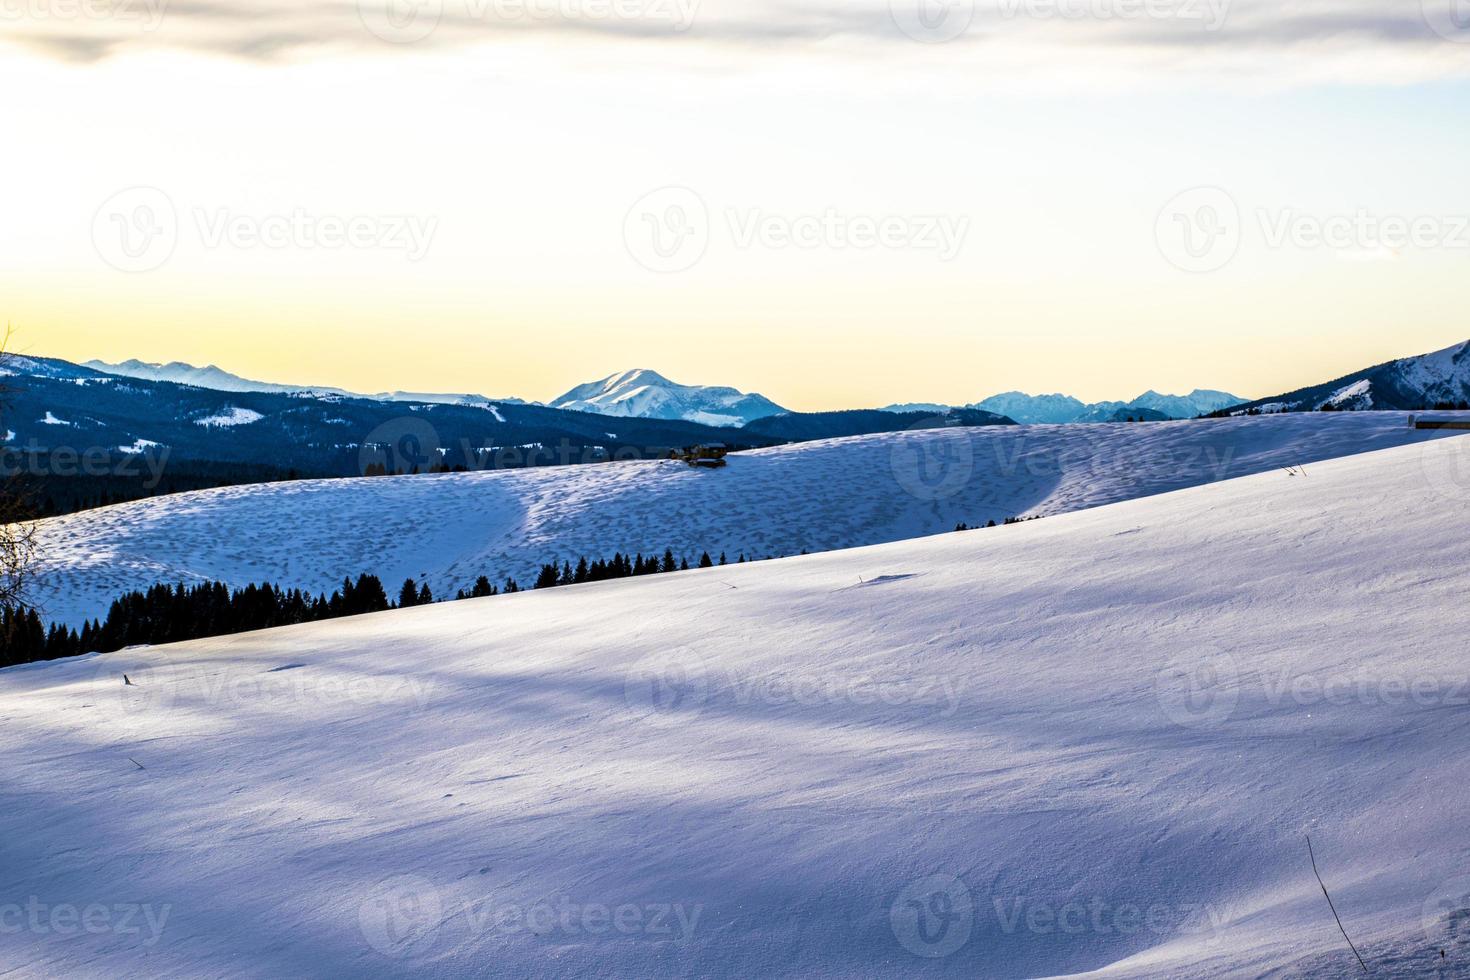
x,y
1409,383
644,393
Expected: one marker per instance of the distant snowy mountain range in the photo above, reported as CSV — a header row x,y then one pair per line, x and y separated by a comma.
x,y
640,394
649,395
1407,384
1059,409
646,394
217,379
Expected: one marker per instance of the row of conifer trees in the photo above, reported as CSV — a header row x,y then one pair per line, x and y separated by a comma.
x,y
175,613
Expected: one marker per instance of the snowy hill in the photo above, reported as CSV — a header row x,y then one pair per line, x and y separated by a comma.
x,y
648,394
50,368
449,529
1096,742
1407,384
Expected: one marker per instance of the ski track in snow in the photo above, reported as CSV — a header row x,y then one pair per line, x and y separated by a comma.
x,y
818,496
1031,739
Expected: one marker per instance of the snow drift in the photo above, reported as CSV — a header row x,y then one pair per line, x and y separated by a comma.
x,y
1092,743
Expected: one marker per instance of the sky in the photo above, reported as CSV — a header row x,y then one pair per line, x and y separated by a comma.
x,y
834,204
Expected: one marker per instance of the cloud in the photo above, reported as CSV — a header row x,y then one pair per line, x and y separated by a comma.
x,y
1386,40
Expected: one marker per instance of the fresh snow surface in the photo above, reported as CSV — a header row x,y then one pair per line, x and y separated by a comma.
x,y
231,417
451,528
1357,391
1091,743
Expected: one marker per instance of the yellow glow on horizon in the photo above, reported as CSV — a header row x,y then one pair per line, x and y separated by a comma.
x,y
529,287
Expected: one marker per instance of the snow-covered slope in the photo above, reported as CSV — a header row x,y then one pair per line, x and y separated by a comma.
x,y
1096,742
839,493
1407,383
649,395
